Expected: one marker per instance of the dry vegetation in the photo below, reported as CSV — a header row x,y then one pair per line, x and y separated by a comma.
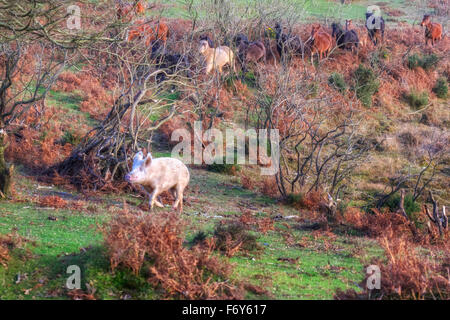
x,y
187,273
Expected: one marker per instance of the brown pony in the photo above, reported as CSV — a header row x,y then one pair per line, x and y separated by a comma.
x,y
433,30
148,31
127,11
321,42
251,52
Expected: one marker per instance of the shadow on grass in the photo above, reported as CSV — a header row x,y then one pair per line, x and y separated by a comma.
x,y
45,277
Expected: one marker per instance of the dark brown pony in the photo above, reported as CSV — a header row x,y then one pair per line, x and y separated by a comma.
x,y
347,39
251,52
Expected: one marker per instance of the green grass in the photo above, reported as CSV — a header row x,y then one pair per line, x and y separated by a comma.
x,y
70,102
307,9
317,275
48,240
70,232
324,8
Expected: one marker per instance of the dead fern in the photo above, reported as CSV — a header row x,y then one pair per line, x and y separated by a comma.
x,y
135,240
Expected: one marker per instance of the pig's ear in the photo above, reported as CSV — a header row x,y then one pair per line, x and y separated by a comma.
x,y
138,156
148,160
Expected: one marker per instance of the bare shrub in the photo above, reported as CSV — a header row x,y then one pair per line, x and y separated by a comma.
x,y
408,139
233,236
269,187
258,224
407,273
7,243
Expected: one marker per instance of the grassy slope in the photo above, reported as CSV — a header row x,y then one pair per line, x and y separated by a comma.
x,y
74,239
319,9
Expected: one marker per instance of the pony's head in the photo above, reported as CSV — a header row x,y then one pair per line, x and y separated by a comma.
x,y
207,38
426,20
336,29
203,46
315,29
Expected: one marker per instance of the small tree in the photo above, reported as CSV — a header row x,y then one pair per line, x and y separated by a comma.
x,y
30,61
319,147
36,45
365,84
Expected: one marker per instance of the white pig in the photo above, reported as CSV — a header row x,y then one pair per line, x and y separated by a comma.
x,y
159,175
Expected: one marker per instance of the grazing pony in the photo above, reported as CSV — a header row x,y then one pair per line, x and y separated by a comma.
x,y
345,39
127,11
320,42
433,30
250,52
288,44
375,27
148,31
216,58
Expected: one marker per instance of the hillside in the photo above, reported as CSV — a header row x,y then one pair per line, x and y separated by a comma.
x,y
366,126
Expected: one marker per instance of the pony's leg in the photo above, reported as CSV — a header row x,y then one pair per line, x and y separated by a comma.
x,y
209,68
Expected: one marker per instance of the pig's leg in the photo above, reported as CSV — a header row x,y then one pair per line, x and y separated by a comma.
x,y
153,200
174,192
179,200
157,202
